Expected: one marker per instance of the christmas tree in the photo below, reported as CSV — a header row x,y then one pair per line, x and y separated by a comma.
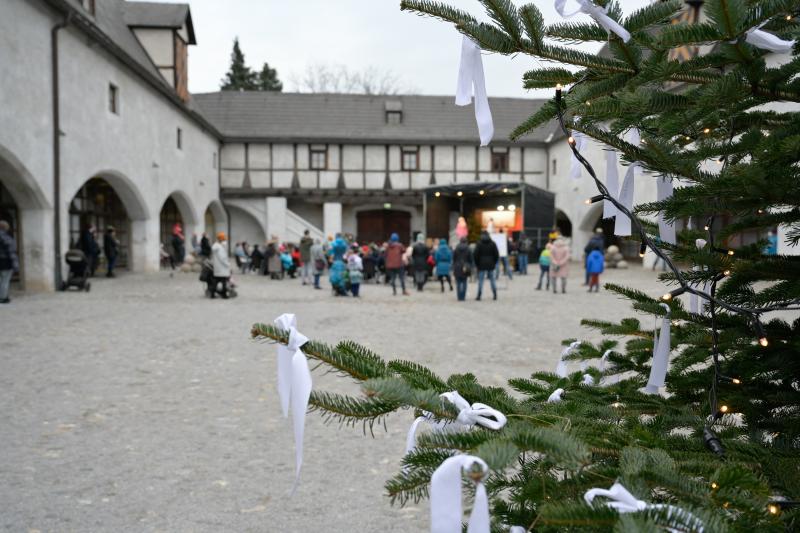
x,y
719,447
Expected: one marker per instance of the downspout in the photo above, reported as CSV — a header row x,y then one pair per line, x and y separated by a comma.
x,y
219,195
57,148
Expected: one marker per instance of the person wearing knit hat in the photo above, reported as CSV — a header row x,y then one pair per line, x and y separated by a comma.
x,y
221,264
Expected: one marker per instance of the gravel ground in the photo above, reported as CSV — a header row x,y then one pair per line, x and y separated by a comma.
x,y
143,406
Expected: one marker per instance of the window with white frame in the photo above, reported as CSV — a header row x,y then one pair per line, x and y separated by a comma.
x,y
410,159
318,158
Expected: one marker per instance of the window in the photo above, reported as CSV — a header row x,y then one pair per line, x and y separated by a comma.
x,y
554,167
410,159
214,161
499,159
179,139
394,117
318,158
113,98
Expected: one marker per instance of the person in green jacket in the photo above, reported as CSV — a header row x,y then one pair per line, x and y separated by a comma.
x,y
544,267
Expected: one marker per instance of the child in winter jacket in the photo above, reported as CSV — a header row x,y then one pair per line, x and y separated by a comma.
x,y
594,266
544,267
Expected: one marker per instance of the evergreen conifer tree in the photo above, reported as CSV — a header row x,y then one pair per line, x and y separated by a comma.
x,y
239,77
268,79
722,447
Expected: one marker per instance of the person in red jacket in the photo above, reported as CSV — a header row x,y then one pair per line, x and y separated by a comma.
x,y
394,263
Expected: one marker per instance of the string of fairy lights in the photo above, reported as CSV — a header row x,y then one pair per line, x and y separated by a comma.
x,y
710,439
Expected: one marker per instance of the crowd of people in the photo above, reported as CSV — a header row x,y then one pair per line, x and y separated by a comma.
x,y
349,264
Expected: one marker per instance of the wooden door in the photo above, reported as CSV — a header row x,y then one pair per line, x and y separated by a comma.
x,y
378,224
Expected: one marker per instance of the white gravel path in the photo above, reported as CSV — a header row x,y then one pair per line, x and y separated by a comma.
x,y
143,406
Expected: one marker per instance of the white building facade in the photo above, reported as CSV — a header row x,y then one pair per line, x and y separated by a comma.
x,y
93,131
98,127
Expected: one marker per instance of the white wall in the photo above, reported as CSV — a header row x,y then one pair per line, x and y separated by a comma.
x,y
135,149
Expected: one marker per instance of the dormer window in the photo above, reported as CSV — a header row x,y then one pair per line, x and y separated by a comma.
x,y
394,112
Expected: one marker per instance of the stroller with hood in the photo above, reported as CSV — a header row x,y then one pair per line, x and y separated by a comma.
x,y
207,277
78,275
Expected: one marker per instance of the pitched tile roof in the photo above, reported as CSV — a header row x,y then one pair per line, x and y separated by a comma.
x,y
273,116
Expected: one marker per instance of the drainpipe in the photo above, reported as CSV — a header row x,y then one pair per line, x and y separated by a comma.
x,y
57,148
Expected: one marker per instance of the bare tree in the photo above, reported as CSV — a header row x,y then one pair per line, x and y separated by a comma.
x,y
326,78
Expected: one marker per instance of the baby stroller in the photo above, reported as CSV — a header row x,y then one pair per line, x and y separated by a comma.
x,y
207,277
78,275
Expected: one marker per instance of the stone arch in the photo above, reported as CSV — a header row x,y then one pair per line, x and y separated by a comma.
x,y
245,227
186,208
563,223
127,191
108,198
20,182
215,219
25,207
592,217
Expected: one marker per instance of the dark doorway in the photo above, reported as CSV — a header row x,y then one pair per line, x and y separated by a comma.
x,y
170,215
10,213
97,204
377,225
563,223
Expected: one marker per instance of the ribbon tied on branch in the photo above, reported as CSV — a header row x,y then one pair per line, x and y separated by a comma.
x,y
294,384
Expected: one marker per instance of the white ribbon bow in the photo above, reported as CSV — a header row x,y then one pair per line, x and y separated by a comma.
x,y
767,41
695,304
575,166
446,507
476,414
607,380
468,416
664,190
556,396
561,368
661,348
472,79
294,383
588,379
622,224
612,184
598,13
625,502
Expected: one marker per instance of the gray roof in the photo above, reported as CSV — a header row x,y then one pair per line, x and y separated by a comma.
x,y
159,15
273,116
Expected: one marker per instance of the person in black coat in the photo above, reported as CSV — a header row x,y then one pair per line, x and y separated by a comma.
x,y
486,257
419,261
462,267
205,246
88,244
111,250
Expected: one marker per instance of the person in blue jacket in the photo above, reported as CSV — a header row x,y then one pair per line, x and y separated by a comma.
x,y
594,267
444,261
337,269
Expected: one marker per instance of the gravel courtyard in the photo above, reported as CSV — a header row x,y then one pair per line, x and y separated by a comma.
x,y
143,406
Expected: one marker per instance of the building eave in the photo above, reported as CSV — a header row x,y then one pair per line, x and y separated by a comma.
x,y
291,139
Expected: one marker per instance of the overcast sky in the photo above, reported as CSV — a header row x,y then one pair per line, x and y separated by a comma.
x,y
290,35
